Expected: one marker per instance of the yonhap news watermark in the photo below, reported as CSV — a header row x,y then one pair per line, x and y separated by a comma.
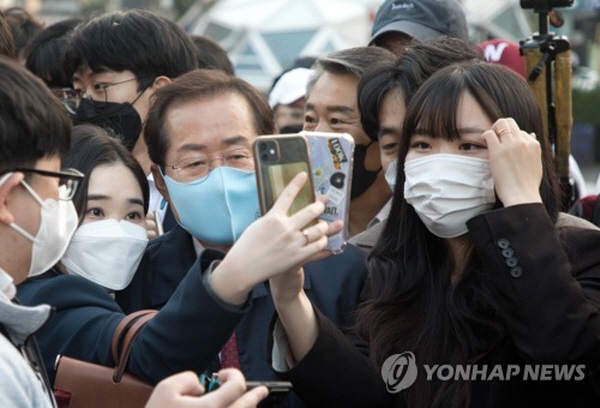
x,y
400,371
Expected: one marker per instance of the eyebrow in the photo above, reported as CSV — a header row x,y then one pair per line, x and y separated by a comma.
x,y
333,109
470,130
421,132
235,140
102,197
77,75
386,131
198,147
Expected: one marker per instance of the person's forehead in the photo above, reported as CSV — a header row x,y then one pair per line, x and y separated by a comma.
x,y
113,179
334,89
84,73
210,120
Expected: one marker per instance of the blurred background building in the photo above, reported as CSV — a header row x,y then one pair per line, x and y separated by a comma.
x,y
264,37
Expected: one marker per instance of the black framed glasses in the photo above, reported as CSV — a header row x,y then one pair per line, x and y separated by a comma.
x,y
71,98
68,180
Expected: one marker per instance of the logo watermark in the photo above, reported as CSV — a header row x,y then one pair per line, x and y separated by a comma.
x,y
400,371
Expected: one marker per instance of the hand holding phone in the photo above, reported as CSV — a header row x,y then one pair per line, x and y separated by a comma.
x,y
274,244
278,159
277,389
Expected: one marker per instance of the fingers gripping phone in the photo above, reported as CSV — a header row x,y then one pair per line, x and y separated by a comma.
x,y
277,389
278,158
277,392
331,161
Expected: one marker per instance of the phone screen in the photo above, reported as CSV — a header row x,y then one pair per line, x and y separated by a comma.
x,y
281,174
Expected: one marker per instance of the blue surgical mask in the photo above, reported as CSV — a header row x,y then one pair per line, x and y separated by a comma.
x,y
218,207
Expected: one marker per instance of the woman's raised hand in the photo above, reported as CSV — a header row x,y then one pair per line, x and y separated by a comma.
x,y
515,162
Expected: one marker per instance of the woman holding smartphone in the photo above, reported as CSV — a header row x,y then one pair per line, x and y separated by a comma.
x,y
475,268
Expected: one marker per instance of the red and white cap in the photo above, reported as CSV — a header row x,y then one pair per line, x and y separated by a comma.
x,y
504,52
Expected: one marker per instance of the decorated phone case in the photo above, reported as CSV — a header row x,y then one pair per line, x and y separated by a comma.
x,y
331,161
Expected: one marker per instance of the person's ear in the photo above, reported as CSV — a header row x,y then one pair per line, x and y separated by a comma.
x,y
161,81
160,182
7,183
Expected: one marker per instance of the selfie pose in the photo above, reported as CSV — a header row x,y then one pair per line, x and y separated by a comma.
x,y
106,247
475,268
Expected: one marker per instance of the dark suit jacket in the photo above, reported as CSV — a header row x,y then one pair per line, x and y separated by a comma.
x,y
333,284
549,302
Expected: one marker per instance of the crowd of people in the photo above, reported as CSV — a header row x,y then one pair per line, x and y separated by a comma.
x,y
127,183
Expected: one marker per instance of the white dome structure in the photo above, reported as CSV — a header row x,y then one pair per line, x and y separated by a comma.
x,y
264,37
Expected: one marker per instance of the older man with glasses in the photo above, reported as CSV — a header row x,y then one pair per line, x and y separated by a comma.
x,y
199,132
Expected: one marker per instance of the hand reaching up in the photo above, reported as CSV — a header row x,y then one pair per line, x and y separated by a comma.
x,y
272,245
515,161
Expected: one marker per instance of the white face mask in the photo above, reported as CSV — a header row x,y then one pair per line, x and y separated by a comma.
x,y
106,252
447,190
390,174
58,222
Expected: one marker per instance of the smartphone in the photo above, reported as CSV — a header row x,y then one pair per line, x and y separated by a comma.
x,y
159,223
277,392
331,162
278,158
277,389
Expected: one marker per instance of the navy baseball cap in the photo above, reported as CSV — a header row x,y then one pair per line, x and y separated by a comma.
x,y
421,19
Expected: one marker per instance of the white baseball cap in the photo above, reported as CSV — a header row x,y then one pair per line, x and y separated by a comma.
x,y
290,87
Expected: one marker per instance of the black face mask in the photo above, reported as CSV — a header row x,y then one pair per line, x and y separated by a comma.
x,y
362,178
291,129
121,118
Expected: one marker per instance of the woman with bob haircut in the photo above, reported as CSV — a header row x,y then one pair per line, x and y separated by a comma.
x,y
475,270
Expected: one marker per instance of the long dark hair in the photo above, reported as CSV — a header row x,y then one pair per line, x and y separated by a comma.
x,y
92,146
418,61
412,303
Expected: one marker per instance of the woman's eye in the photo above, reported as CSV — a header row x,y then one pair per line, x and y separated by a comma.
x,y
470,146
95,212
419,145
133,216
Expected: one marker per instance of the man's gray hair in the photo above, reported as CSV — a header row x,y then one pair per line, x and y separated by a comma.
x,y
354,61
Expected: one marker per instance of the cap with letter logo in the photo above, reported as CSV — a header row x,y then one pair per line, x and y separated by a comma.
x,y
421,19
504,52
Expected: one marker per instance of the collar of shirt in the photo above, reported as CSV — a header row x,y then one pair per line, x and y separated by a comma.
x,y
19,321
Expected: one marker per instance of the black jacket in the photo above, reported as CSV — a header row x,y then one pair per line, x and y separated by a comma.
x,y
549,292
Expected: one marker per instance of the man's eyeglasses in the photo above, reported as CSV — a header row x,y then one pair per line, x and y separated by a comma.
x,y
193,168
71,98
68,180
